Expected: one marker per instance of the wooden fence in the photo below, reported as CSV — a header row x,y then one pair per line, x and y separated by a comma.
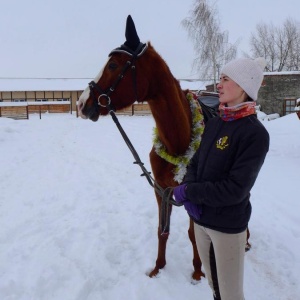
x,y
15,110
137,109
21,110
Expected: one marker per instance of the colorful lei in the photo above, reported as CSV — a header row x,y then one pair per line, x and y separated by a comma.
x,y
181,162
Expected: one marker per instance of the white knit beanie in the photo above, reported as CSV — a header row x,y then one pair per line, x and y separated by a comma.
x,y
247,73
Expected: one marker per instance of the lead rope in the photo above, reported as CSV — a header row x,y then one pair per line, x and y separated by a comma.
x,y
165,194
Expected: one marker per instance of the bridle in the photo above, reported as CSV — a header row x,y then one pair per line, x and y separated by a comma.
x,y
165,194
105,94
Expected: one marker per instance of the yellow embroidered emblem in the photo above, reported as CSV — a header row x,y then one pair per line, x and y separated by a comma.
x,y
222,143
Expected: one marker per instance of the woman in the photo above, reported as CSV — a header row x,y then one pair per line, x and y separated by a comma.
x,y
216,188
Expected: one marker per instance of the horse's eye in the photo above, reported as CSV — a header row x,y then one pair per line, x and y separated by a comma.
x,y
112,66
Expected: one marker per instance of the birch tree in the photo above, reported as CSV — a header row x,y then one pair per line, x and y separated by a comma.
x,y
210,43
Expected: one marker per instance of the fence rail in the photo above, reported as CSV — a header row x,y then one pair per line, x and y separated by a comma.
x,y
22,109
14,110
136,109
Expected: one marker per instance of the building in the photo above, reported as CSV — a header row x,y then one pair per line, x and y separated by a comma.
x,y
20,97
42,89
279,92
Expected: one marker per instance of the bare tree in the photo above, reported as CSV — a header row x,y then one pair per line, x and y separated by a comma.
x,y
267,48
210,43
279,45
293,58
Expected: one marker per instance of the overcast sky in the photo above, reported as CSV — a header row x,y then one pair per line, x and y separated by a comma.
x,y
72,38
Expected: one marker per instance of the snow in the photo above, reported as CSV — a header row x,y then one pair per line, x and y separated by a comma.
x,y
71,84
264,117
79,84
35,103
10,104
282,73
297,107
193,85
79,223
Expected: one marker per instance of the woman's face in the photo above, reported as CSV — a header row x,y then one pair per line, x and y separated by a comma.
x,y
230,92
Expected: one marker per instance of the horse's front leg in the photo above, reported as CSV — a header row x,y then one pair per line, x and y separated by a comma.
x,y
162,243
196,258
161,254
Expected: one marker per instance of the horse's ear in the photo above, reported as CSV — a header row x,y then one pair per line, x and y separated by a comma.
x,y
132,39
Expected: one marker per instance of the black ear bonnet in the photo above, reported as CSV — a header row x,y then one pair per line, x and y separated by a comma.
x,y
132,46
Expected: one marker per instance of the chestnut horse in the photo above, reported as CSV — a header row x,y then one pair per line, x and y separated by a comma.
x,y
136,72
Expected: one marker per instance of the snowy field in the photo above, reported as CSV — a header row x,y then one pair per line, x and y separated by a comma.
x,y
77,222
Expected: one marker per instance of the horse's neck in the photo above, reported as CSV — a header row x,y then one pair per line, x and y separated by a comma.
x,y
172,115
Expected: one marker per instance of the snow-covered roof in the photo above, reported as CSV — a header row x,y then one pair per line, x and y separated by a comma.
x,y
69,84
43,84
297,107
282,73
193,85
79,84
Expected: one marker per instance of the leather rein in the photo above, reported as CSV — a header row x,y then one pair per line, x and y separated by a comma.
x,y
165,194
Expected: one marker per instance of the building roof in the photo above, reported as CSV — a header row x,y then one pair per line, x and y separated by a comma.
x,y
193,85
43,84
80,84
69,84
282,73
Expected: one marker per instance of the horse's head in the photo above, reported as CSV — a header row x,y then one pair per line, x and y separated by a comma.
x,y
118,85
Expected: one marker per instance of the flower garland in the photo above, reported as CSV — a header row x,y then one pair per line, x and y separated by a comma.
x,y
181,162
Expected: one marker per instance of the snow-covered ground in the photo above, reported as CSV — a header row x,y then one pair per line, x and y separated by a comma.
x,y
77,222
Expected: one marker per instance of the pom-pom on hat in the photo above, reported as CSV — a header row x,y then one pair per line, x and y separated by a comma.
x,y
247,73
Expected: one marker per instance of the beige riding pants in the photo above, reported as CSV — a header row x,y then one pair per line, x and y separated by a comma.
x,y
222,255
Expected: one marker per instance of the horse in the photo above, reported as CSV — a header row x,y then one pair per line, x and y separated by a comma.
x,y
136,72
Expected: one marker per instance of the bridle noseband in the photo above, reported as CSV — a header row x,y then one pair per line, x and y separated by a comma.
x,y
129,63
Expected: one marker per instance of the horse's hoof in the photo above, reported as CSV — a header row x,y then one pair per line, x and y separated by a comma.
x,y
247,247
154,273
197,275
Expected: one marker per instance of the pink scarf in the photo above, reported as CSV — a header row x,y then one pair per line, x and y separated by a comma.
x,y
238,111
